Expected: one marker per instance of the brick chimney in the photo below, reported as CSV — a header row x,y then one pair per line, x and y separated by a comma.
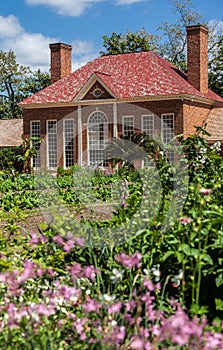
x,y
61,61
197,57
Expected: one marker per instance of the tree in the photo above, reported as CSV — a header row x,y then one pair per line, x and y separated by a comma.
x,y
16,83
33,83
216,63
174,49
129,42
11,74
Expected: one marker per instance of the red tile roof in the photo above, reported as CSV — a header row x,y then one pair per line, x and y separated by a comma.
x,y
126,75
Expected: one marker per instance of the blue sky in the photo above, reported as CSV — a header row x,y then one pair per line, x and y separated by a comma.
x,y
28,26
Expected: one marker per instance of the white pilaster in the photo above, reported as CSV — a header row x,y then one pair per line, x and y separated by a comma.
x,y
115,130
79,134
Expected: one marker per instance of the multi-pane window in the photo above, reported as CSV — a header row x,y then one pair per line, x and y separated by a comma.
x,y
128,125
68,143
148,124
97,138
35,133
168,133
52,143
167,127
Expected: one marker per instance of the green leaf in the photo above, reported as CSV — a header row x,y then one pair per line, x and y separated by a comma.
x,y
167,255
219,304
208,259
219,280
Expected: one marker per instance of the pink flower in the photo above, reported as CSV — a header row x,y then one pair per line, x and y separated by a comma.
x,y
137,344
28,272
205,191
58,240
91,305
68,246
130,305
133,260
90,272
148,284
114,308
34,239
80,241
69,292
75,270
185,220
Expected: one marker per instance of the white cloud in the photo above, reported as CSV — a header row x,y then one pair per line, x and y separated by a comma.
x,y
81,48
127,2
83,52
32,49
76,7
66,7
9,27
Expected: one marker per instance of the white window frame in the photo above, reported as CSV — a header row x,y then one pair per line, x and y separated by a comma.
x,y
144,130
126,131
67,138
100,144
162,126
56,151
170,154
34,134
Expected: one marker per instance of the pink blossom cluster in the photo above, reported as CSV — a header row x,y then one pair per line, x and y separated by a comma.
x,y
68,242
134,320
133,260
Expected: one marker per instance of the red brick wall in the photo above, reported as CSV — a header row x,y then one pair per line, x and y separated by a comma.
x,y
194,114
186,115
197,57
44,114
215,124
61,61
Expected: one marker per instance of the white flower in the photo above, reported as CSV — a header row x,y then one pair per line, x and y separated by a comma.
x,y
107,299
156,272
116,276
176,280
113,323
203,150
146,272
216,146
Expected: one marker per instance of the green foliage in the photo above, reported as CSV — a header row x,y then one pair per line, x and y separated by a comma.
x,y
11,74
216,67
186,260
30,148
16,83
7,160
173,47
33,83
129,42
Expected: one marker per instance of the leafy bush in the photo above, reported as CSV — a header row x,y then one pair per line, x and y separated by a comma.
x,y
155,289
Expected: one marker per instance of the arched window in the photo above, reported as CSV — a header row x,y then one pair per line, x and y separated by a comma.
x,y
97,138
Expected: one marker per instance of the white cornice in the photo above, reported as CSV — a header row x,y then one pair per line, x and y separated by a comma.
x,y
79,102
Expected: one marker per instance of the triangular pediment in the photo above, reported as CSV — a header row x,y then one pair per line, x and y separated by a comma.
x,y
95,89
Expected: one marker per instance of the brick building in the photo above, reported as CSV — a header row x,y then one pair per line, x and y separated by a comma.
x,y
116,94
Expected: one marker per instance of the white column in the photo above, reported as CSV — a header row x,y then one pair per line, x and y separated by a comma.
x,y
79,133
115,130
